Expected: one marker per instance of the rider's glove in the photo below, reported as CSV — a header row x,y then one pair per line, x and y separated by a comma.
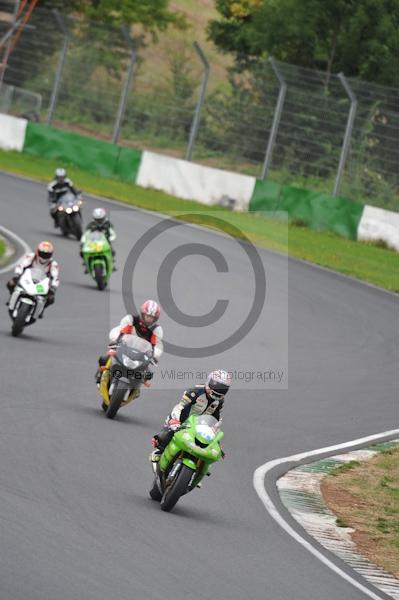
x,y
11,284
174,424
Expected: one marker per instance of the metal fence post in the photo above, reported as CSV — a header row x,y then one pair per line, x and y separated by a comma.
x,y
348,133
60,68
276,119
125,90
8,38
200,103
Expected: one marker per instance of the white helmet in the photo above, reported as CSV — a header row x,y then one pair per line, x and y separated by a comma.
x,y
100,216
60,173
217,384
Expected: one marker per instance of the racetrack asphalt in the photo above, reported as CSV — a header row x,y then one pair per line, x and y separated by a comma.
x,y
76,521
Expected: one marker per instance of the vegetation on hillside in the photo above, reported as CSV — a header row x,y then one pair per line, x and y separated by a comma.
x,y
360,38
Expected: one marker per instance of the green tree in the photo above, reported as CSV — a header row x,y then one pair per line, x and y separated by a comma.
x,y
96,40
153,15
358,37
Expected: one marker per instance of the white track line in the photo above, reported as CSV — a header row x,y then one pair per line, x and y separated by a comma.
x,y
13,236
258,481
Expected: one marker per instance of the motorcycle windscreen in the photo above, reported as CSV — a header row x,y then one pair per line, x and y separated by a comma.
x,y
206,427
38,274
67,200
95,241
95,236
134,346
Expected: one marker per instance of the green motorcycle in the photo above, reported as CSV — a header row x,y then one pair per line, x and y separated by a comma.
x,y
186,459
97,256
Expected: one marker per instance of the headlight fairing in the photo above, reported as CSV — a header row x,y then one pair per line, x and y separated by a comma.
x,y
131,364
205,433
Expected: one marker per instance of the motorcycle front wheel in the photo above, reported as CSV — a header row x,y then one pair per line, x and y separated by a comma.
x,y
63,225
117,397
77,225
99,277
177,488
20,319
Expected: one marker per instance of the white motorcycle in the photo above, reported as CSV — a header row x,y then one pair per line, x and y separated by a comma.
x,y
28,299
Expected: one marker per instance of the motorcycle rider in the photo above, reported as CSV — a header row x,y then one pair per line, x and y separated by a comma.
x,y
59,186
101,223
145,326
42,258
206,399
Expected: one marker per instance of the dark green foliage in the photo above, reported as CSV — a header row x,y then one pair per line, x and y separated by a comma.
x,y
154,15
358,37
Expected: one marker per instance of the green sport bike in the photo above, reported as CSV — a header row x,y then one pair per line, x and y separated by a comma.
x,y
97,256
186,459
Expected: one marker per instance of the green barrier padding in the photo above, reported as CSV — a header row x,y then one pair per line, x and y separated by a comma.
x,y
314,209
128,164
86,153
266,196
322,212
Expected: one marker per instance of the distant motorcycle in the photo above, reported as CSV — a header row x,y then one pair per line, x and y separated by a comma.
x,y
68,216
186,459
124,373
28,300
97,256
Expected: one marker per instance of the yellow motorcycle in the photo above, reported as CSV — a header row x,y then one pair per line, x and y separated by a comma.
x,y
124,373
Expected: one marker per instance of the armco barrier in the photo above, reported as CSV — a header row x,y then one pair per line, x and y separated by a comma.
x,y
12,133
203,184
191,181
89,154
314,209
378,224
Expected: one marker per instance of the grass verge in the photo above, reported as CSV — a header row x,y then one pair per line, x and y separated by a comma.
x,y
366,498
2,250
366,262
